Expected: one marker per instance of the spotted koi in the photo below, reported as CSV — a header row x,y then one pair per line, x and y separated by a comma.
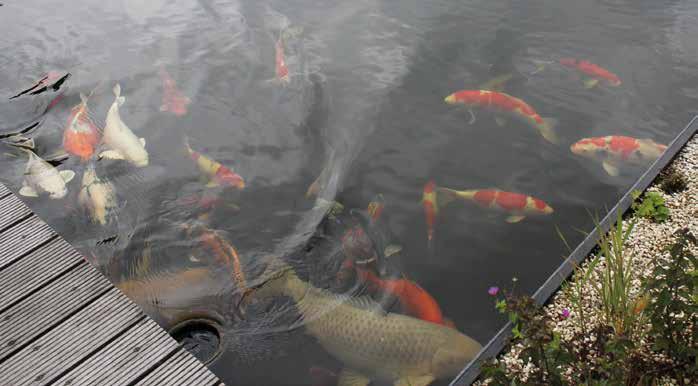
x,y
218,174
516,205
596,72
616,150
505,104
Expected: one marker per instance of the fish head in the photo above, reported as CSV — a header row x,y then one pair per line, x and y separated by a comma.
x,y
454,354
589,147
464,97
232,179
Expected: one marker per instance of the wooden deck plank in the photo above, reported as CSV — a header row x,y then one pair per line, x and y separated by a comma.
x,y
181,369
4,190
35,269
48,306
12,209
22,238
68,344
127,357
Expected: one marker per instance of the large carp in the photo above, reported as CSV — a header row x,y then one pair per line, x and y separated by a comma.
x,y
371,343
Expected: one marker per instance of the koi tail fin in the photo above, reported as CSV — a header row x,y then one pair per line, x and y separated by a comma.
x,y
547,130
445,196
117,93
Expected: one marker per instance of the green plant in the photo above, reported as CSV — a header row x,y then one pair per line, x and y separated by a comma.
x,y
651,206
673,313
672,181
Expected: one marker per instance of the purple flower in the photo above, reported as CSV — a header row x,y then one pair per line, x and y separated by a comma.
x,y
493,291
565,313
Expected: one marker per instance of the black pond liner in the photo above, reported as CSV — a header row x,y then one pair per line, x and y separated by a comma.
x,y
200,336
541,296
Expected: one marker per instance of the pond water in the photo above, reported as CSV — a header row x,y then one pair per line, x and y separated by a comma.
x,y
351,96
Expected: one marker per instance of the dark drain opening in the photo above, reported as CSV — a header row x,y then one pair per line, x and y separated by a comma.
x,y
201,337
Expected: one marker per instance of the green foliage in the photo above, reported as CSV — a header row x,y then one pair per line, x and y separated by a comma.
x,y
619,307
672,181
673,313
651,206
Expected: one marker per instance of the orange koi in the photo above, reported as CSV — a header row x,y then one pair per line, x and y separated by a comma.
x,y
501,103
218,174
615,150
81,135
431,209
517,205
596,72
222,251
173,100
375,208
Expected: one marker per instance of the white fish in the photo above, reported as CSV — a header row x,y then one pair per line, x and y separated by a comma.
x,y
120,140
97,196
40,177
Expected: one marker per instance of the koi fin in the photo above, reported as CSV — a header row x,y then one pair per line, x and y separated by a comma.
x,y
547,130
514,219
67,175
501,121
28,191
117,93
418,380
142,141
472,117
444,196
590,83
392,249
611,169
111,154
352,378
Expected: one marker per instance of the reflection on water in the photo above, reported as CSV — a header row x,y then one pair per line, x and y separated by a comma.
x,y
388,162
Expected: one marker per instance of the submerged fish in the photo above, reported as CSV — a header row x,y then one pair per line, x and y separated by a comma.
x,y
504,104
122,143
370,343
594,71
97,196
221,250
217,173
375,208
81,135
516,205
616,150
173,100
280,62
431,208
53,80
40,177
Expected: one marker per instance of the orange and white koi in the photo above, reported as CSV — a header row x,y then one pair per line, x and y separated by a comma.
x,y
217,173
594,71
504,104
431,208
81,135
221,250
280,62
616,150
516,205
173,100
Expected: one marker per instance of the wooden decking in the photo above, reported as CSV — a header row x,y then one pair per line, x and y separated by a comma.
x,y
63,323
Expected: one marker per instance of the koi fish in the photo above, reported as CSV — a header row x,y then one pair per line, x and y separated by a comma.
x,y
505,104
375,208
358,246
371,343
81,135
53,80
431,209
280,67
40,177
517,205
123,144
615,150
596,72
97,196
221,250
217,173
173,100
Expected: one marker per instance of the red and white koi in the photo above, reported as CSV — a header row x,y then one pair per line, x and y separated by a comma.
x,y
217,173
616,150
81,135
122,143
516,205
280,62
504,104
173,100
594,71
97,196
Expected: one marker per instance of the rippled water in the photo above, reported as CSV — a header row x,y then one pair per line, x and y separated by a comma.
x,y
365,102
